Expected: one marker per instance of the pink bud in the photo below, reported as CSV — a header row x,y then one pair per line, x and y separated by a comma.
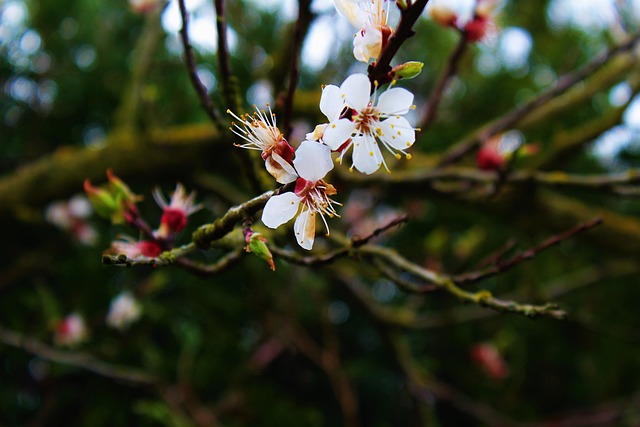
x,y
489,157
489,359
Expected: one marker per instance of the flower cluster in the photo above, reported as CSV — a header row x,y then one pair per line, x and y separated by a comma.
x,y
364,120
116,201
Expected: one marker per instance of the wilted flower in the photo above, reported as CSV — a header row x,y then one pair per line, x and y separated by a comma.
x,y
70,331
175,213
135,249
369,123
261,133
311,195
123,311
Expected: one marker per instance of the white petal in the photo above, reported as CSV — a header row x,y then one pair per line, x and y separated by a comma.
x,y
366,155
313,160
338,132
356,90
352,11
397,132
395,101
305,229
280,209
331,103
278,167
367,44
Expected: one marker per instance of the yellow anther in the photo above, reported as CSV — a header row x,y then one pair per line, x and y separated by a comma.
x,y
398,156
408,156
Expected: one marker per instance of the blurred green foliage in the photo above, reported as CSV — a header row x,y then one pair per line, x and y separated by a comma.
x,y
211,337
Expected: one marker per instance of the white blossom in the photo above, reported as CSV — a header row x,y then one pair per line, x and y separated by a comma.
x,y
369,17
310,197
364,122
123,311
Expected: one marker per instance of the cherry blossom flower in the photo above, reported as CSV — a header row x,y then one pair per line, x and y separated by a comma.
x,y
369,123
310,196
261,133
123,311
175,213
370,18
135,249
71,330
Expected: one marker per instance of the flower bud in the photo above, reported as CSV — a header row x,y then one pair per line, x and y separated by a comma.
x,y
256,243
490,360
114,201
408,70
102,200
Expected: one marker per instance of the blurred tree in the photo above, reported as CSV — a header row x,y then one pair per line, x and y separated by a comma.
x,y
521,193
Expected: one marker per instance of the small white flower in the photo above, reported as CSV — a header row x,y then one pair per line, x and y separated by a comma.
x,y
123,311
311,195
369,122
369,17
261,133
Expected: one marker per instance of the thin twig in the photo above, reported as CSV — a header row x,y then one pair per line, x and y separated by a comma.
x,y
329,257
446,283
302,23
356,241
206,270
450,70
227,80
379,70
78,359
512,117
616,183
201,90
476,276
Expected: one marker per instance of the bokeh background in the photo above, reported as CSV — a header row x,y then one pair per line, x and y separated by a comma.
x,y
87,85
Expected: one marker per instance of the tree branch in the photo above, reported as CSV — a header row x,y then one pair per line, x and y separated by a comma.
x,y
449,72
510,118
81,360
302,23
379,70
201,90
